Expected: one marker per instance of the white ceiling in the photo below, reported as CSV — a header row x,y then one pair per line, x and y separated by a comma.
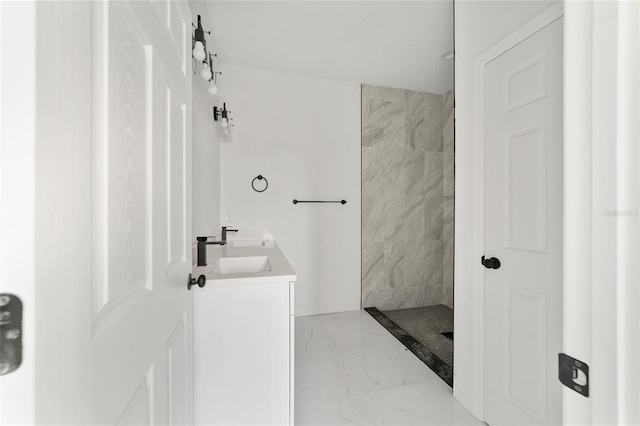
x,y
382,43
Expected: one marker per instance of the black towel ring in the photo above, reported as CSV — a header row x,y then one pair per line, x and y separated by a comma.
x,y
259,177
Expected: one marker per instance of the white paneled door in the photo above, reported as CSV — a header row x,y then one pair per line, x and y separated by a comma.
x,y
112,341
523,229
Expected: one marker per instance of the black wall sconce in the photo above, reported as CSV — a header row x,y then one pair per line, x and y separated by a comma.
x,y
204,58
222,115
199,43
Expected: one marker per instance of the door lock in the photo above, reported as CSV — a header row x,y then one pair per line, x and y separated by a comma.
x,y
491,263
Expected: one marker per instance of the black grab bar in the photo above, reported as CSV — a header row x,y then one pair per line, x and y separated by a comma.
x,y
339,201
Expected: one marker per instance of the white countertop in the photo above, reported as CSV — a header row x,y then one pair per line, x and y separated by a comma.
x,y
245,244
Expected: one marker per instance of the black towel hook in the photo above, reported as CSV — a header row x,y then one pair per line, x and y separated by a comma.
x,y
259,177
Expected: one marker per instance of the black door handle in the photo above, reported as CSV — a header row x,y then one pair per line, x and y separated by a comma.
x,y
200,282
491,263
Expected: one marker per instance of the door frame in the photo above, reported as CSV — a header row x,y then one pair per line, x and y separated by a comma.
x,y
548,16
602,201
18,42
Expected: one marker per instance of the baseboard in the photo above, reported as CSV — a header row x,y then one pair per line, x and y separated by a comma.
x,y
464,394
327,307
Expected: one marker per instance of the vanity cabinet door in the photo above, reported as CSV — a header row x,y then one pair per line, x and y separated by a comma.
x,y
242,354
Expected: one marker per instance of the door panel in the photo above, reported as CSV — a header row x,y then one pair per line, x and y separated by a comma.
x,y
525,182
523,228
121,260
176,178
140,350
526,83
526,379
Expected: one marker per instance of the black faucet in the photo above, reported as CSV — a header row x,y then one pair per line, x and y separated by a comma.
x,y
202,245
224,233
202,249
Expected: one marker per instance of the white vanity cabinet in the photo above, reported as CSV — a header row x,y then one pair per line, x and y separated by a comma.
x,y
244,344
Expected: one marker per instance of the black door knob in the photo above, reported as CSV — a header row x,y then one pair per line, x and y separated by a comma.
x,y
200,282
491,263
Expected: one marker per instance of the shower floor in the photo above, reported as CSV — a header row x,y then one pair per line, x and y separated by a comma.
x,y
426,331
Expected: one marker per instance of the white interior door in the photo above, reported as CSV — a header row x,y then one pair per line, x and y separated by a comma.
x,y
140,344
523,229
110,318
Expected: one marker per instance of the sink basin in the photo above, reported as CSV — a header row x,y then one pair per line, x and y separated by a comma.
x,y
243,265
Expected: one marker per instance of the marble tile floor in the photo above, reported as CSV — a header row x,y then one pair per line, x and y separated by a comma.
x,y
351,371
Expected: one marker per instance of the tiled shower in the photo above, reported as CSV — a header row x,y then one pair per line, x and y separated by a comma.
x,y
407,198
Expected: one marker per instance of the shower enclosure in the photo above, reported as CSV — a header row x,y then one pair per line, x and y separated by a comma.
x,y
407,218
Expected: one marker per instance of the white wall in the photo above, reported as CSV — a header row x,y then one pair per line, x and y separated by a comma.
x,y
303,134
206,148
478,26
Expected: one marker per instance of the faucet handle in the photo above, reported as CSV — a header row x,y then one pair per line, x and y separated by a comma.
x,y
229,229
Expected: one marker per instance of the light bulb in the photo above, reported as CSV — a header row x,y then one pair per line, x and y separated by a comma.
x,y
198,51
224,123
213,88
206,73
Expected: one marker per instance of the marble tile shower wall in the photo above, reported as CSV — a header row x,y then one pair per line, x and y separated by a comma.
x,y
407,198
